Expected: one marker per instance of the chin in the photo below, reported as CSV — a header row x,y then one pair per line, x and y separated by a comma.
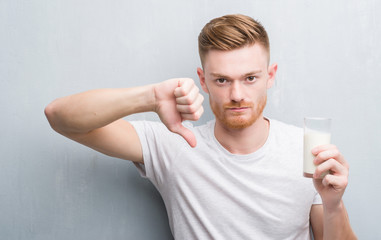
x,y
239,123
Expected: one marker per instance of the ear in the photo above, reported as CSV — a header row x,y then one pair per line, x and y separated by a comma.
x,y
272,72
201,76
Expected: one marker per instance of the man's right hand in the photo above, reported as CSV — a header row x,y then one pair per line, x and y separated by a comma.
x,y
177,100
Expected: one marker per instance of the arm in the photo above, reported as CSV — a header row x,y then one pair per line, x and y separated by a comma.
x,y
330,220
327,224
93,118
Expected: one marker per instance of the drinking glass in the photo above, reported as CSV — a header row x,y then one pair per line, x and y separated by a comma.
x,y
317,131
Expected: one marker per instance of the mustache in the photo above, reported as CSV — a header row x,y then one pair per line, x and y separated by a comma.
x,y
238,105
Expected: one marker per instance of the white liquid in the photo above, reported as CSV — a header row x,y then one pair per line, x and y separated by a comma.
x,y
313,139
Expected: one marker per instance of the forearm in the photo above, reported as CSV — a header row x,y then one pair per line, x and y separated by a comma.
x,y
336,224
93,109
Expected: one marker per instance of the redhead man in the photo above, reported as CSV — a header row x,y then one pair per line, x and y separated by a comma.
x,y
238,176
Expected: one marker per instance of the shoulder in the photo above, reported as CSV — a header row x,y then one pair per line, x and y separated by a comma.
x,y
154,134
279,125
285,138
203,129
285,130
204,133
156,131
144,127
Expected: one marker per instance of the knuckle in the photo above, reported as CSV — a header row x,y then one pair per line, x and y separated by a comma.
x,y
196,115
346,173
192,109
199,113
319,158
345,182
188,100
321,155
318,169
182,91
332,161
336,153
191,117
195,118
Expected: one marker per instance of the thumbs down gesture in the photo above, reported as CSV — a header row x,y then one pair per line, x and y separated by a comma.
x,y
177,100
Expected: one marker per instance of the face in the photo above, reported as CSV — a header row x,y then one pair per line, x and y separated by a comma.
x,y
237,83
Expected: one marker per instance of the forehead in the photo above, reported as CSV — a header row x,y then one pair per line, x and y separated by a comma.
x,y
237,61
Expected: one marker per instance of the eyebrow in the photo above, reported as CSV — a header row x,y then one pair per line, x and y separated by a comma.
x,y
219,75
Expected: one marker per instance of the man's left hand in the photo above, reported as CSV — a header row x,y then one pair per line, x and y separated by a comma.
x,y
332,186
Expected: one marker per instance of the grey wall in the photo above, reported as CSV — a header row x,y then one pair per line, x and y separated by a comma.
x,y
51,188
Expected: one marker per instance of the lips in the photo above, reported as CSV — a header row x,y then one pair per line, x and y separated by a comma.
x,y
238,109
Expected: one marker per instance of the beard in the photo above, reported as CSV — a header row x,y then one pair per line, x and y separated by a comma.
x,y
237,120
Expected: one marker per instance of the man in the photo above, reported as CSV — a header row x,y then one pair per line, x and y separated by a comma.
x,y
236,177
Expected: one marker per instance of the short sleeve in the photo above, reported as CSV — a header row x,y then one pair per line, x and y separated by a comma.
x,y
159,147
317,199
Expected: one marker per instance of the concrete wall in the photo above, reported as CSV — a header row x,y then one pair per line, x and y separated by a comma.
x,y
329,57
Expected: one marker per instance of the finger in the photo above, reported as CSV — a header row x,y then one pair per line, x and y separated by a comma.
x,y
316,150
186,134
331,166
193,116
339,183
192,108
330,153
326,154
189,96
184,87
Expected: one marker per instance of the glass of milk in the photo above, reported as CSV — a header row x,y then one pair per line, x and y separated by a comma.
x,y
317,131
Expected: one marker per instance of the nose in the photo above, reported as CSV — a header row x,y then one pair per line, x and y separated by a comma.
x,y
236,92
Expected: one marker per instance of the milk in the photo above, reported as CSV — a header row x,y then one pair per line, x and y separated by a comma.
x,y
312,138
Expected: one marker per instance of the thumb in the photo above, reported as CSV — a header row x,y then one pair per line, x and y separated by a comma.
x,y
186,134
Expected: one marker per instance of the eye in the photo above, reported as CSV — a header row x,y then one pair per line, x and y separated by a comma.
x,y
251,78
221,80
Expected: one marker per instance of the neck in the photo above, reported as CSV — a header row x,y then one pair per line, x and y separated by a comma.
x,y
243,141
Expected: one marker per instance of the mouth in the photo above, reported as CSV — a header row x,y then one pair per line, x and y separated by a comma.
x,y
238,109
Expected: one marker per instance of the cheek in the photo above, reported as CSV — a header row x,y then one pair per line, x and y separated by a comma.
x,y
219,94
260,95
212,101
259,92
216,98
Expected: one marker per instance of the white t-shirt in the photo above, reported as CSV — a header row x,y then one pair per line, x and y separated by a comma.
x,y
210,193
